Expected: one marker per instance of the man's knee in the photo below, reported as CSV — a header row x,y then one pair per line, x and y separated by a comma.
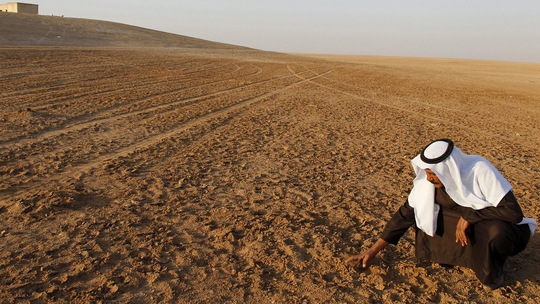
x,y
500,235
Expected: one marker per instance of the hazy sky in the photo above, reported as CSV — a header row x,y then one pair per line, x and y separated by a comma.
x,y
477,29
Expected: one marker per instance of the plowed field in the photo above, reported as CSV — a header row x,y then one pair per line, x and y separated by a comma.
x,y
207,176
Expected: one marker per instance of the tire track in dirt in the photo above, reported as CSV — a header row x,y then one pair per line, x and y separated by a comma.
x,y
95,123
33,75
67,92
125,102
204,119
61,103
58,66
454,110
79,126
135,84
12,192
524,143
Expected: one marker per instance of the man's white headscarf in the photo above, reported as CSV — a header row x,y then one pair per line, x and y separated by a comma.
x,y
470,180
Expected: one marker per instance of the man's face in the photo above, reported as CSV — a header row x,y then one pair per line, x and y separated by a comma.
x,y
432,178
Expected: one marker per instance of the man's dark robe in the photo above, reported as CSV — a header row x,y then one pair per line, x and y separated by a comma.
x,y
493,235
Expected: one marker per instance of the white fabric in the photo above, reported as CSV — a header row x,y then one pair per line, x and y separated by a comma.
x,y
529,221
470,180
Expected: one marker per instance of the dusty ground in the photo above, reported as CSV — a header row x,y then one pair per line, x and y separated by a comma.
x,y
198,176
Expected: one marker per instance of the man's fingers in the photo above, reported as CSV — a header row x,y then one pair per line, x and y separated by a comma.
x,y
363,259
462,238
352,259
461,231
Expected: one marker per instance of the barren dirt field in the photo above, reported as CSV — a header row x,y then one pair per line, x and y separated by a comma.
x,y
193,176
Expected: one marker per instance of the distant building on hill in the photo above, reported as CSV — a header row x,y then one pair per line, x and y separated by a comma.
x,y
18,7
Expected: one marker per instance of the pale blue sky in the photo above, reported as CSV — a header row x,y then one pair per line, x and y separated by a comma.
x,y
476,29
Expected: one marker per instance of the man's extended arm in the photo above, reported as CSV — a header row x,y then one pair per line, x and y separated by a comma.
x,y
395,228
369,254
398,224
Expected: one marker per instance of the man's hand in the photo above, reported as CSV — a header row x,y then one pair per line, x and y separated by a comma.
x,y
364,258
368,255
461,231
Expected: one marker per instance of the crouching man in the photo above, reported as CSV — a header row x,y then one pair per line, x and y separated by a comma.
x,y
464,213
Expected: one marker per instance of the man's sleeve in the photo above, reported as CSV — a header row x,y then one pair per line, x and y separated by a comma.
x,y
398,224
507,210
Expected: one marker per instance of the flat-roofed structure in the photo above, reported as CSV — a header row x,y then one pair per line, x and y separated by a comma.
x,y
18,7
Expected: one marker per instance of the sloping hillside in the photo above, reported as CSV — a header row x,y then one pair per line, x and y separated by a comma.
x,y
25,29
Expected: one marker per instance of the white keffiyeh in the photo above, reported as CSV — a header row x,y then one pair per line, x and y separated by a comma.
x,y
470,180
